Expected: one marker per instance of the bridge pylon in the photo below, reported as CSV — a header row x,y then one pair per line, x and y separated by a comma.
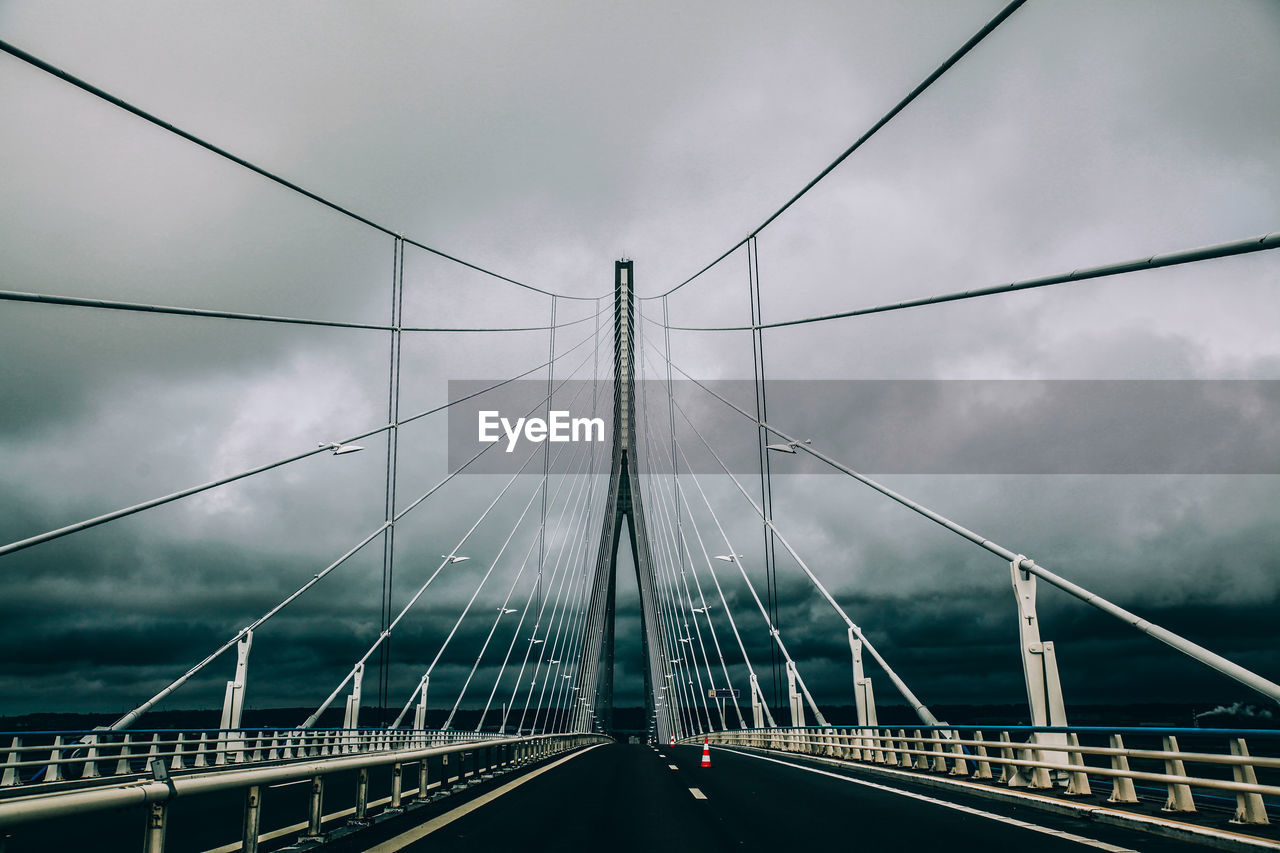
x,y
625,509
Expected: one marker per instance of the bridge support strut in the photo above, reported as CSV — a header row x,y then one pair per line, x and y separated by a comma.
x,y
1040,668
351,718
863,695
793,695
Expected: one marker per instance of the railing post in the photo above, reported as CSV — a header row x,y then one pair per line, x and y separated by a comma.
x,y
252,819
122,763
361,817
1040,777
153,840
983,770
1249,807
153,751
1008,772
397,785
959,767
1122,790
315,809
201,759
423,767
1180,799
177,762
11,776
54,771
922,760
1078,786
939,752
902,758
89,770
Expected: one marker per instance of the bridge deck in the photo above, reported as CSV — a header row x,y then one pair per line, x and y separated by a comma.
x,y
631,797
621,797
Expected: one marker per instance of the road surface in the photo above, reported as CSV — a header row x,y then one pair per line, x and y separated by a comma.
x,y
637,798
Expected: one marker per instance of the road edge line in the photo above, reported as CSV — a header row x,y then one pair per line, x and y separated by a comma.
x,y
1176,830
421,831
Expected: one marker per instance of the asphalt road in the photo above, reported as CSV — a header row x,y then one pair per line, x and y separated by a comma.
x,y
636,798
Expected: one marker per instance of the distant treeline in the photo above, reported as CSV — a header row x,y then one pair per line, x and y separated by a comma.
x,y
1208,714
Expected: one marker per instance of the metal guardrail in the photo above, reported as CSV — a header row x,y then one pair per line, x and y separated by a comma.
x,y
45,758
1050,758
247,763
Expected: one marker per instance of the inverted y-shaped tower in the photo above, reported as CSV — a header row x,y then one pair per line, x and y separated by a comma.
x,y
625,506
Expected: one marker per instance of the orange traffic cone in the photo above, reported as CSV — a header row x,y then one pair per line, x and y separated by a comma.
x,y
673,740
706,752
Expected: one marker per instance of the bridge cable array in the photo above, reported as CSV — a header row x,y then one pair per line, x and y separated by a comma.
x,y
57,533
571,615
128,719
84,85
1020,562
946,65
1247,246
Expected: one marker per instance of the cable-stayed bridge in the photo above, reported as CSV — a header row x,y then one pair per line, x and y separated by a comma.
x,y
529,749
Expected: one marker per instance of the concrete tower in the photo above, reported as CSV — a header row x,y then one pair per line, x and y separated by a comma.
x,y
626,506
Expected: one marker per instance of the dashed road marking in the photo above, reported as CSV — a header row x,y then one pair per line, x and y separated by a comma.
x,y
697,795
672,767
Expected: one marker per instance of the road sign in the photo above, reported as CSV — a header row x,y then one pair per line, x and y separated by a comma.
x,y
724,693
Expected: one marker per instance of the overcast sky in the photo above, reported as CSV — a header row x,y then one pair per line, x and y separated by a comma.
x,y
543,141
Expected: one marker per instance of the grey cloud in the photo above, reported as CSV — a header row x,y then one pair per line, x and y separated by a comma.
x,y
544,143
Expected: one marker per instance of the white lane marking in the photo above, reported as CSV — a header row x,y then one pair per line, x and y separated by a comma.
x,y
422,831
1058,833
672,767
697,795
